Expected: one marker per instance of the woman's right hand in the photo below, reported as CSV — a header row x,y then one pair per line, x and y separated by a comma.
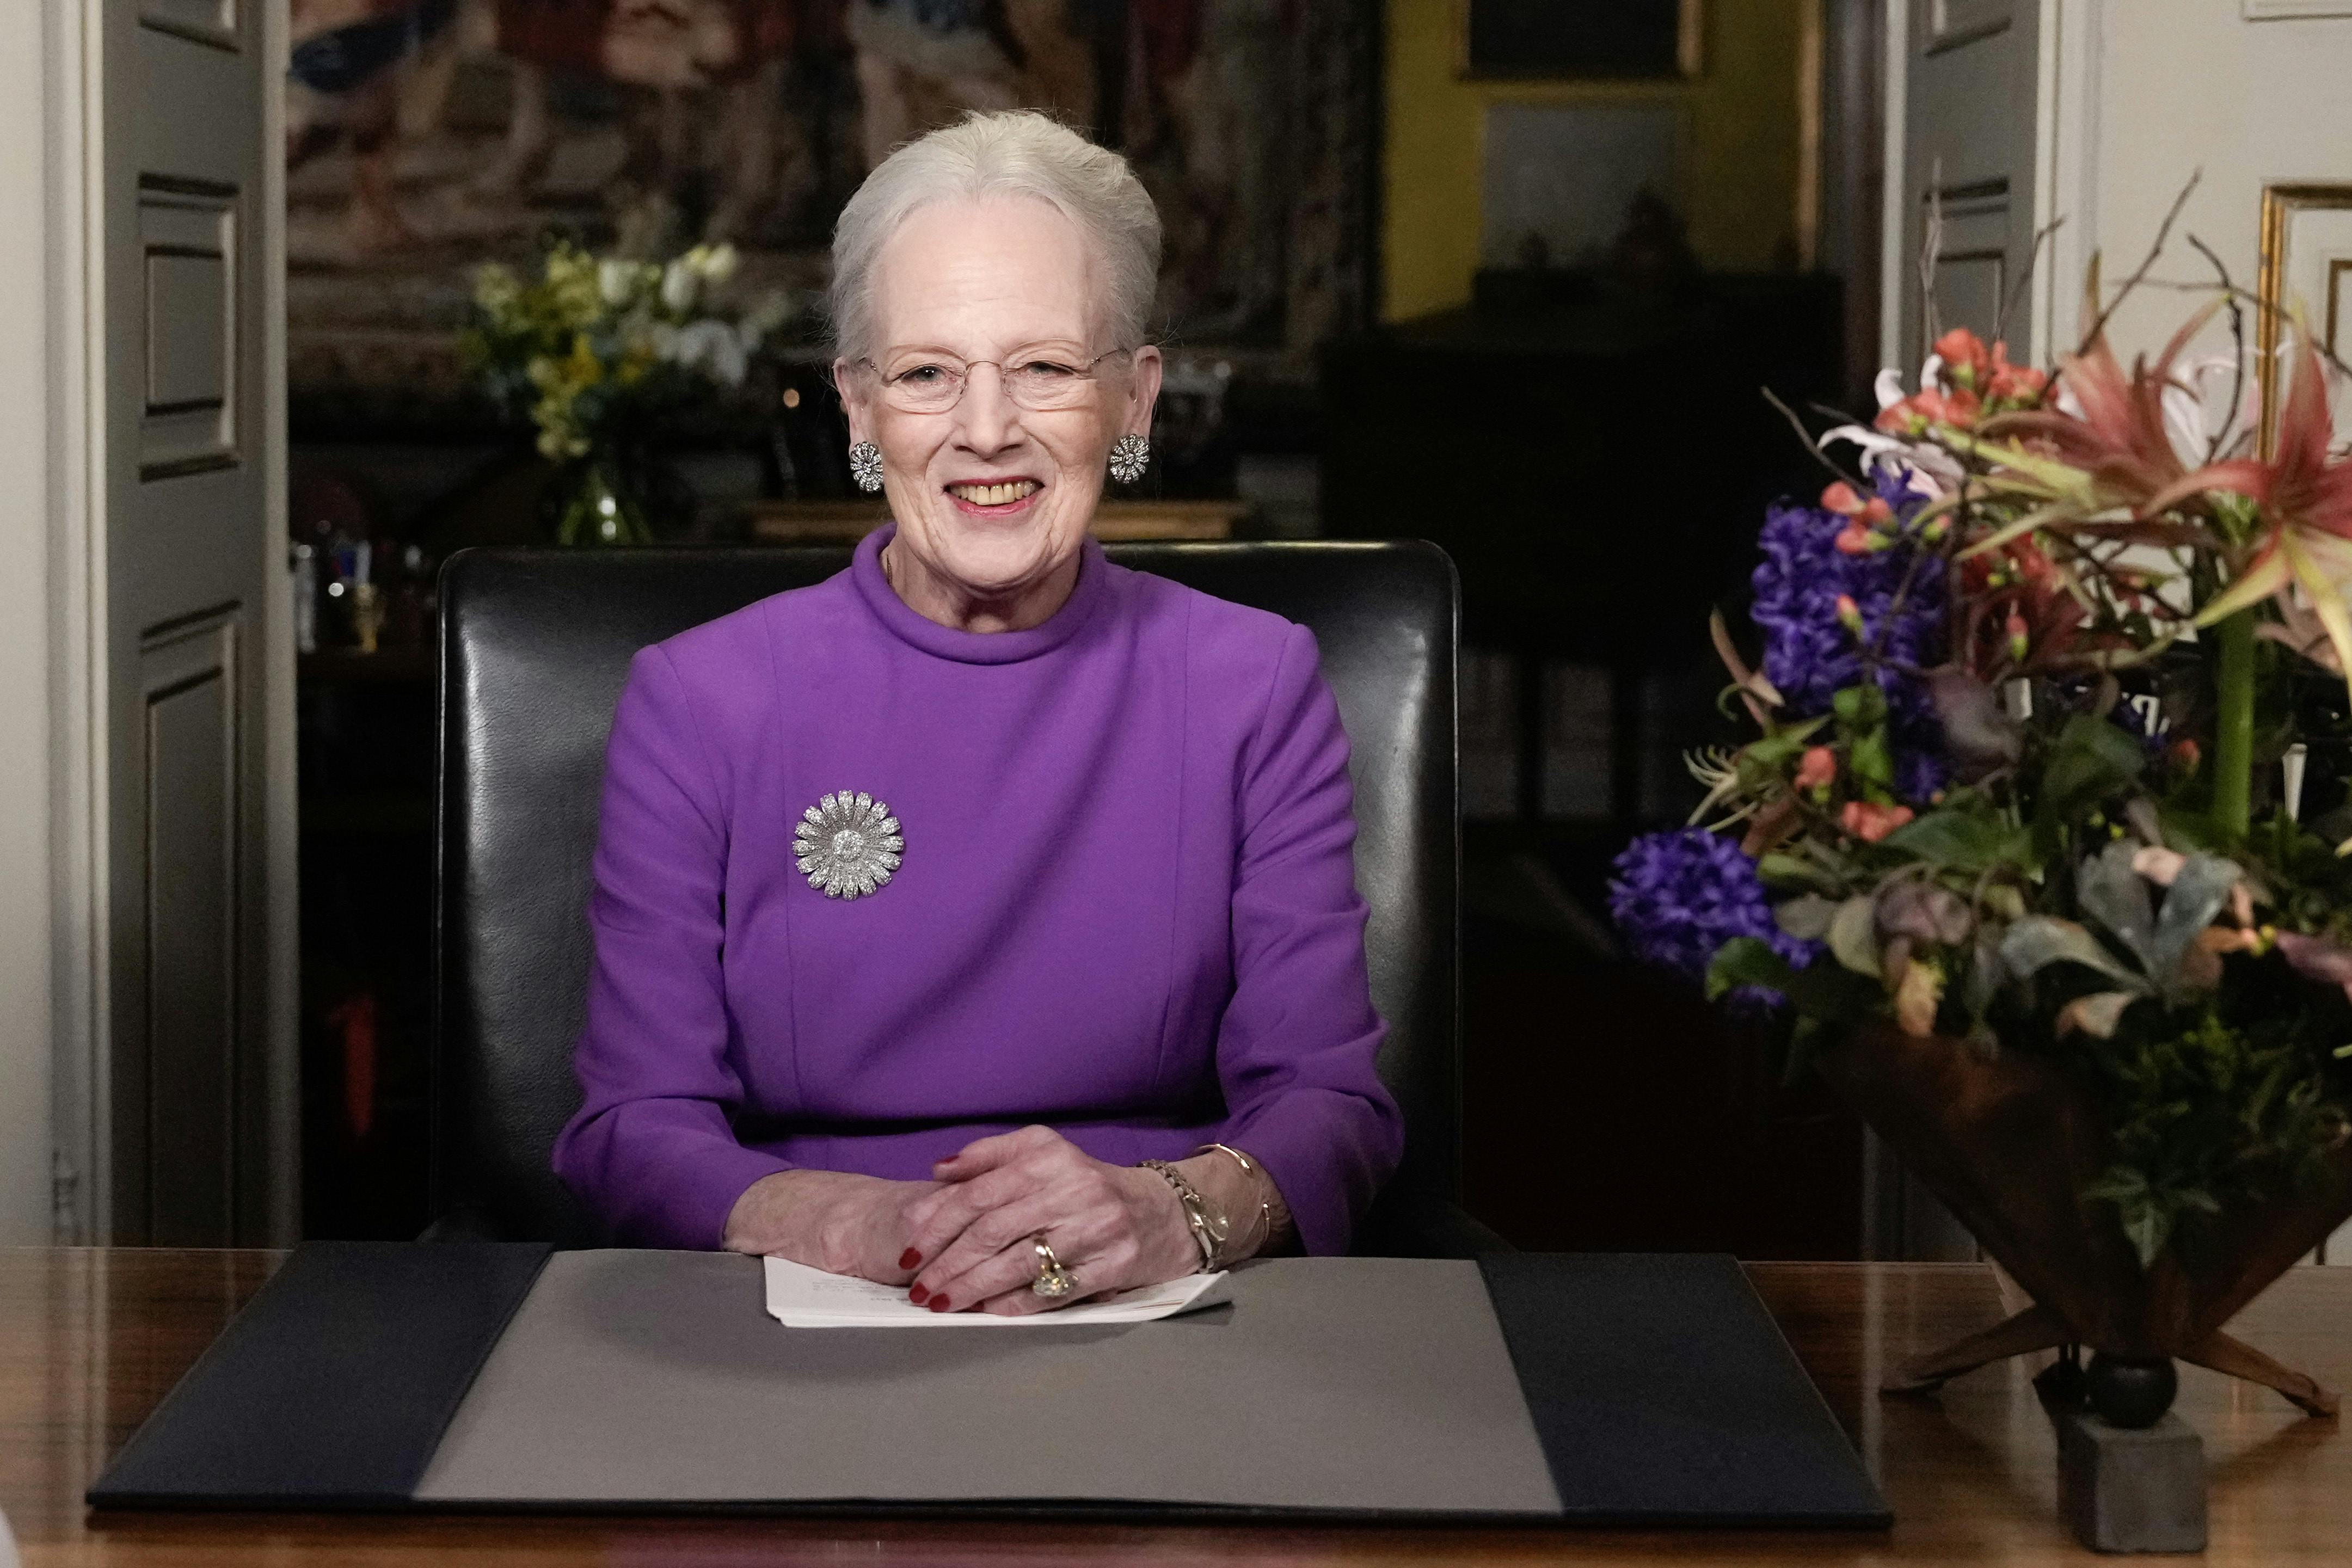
x,y
833,1220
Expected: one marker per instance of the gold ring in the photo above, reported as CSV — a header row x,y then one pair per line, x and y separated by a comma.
x,y
1053,1281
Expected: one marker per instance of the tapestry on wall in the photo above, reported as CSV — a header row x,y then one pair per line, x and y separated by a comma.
x,y
426,137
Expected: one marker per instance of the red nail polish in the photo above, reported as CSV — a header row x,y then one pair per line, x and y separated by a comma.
x,y
917,1295
939,1303
909,1257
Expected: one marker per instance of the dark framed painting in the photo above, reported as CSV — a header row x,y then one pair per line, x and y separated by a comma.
x,y
426,137
1579,40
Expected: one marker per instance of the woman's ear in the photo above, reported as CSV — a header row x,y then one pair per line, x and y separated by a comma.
x,y
1143,393
850,387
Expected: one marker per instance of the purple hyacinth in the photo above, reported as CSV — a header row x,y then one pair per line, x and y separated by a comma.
x,y
1809,655
1679,896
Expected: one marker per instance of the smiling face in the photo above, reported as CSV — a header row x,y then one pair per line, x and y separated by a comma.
x,y
991,499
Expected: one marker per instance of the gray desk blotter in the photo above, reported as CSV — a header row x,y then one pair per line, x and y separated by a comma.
x,y
656,1378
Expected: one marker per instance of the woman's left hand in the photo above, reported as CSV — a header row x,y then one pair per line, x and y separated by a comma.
x,y
1112,1227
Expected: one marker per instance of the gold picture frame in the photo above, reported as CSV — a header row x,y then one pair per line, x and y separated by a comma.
x,y
1690,41
2282,205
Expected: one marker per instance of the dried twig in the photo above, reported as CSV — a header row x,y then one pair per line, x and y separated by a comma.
x,y
2147,264
1875,654
2244,295
1819,456
2024,279
2238,346
1931,245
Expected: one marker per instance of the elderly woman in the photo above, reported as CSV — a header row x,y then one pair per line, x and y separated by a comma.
x,y
983,920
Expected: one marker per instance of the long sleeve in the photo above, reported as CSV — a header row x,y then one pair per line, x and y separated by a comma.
x,y
1296,1048
651,1151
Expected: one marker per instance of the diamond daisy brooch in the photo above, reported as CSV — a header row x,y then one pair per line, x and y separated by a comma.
x,y
846,845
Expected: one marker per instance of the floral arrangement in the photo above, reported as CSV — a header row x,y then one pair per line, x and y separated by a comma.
x,y
593,346
2037,685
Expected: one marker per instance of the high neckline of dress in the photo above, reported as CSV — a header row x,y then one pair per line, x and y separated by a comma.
x,y
974,647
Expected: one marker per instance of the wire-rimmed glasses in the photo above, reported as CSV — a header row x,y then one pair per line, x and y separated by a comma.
x,y
1038,382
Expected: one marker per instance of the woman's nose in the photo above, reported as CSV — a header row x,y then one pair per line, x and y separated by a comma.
x,y
985,415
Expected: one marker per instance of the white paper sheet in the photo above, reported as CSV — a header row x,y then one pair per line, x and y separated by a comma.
x,y
801,1297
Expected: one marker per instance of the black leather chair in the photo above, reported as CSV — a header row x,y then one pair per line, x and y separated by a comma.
x,y
534,646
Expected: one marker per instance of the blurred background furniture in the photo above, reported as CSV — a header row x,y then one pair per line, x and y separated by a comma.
x,y
1596,452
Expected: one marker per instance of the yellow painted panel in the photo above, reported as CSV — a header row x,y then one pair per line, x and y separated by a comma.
x,y
1741,129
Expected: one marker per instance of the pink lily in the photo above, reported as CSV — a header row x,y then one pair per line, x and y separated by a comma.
x,y
2119,439
2306,505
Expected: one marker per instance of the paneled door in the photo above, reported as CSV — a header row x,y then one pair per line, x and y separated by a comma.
x,y
1959,247
190,1103
1972,77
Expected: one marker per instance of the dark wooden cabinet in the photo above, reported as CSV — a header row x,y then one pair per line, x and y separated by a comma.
x,y
1597,463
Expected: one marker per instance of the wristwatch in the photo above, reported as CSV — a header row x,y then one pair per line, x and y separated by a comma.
x,y
1208,1223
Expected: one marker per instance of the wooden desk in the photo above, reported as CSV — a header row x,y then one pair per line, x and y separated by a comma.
x,y
91,1339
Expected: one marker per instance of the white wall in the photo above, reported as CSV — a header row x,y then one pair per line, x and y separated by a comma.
x,y
2184,85
25,628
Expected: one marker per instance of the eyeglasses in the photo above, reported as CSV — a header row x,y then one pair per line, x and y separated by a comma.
x,y
935,383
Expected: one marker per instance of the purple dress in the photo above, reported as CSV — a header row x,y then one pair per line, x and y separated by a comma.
x,y
1126,905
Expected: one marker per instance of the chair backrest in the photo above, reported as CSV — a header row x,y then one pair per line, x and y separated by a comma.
x,y
535,644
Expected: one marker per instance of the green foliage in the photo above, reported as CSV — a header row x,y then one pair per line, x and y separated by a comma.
x,y
2310,884
1853,935
1746,961
1861,722
2091,761
1774,753
2082,905
2206,1117
1822,992
1968,834
1797,873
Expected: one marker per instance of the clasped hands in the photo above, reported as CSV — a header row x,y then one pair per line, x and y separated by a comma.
x,y
964,1239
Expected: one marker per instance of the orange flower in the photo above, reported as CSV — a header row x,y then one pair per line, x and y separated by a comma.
x,y
1871,822
1927,407
1965,358
2014,383
1817,769
1840,498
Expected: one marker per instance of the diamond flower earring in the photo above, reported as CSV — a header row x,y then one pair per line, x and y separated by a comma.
x,y
1130,457
866,466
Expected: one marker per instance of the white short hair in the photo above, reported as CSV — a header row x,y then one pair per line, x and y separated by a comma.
x,y
1016,152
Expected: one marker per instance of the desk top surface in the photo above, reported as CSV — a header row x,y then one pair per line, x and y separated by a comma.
x,y
91,1339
